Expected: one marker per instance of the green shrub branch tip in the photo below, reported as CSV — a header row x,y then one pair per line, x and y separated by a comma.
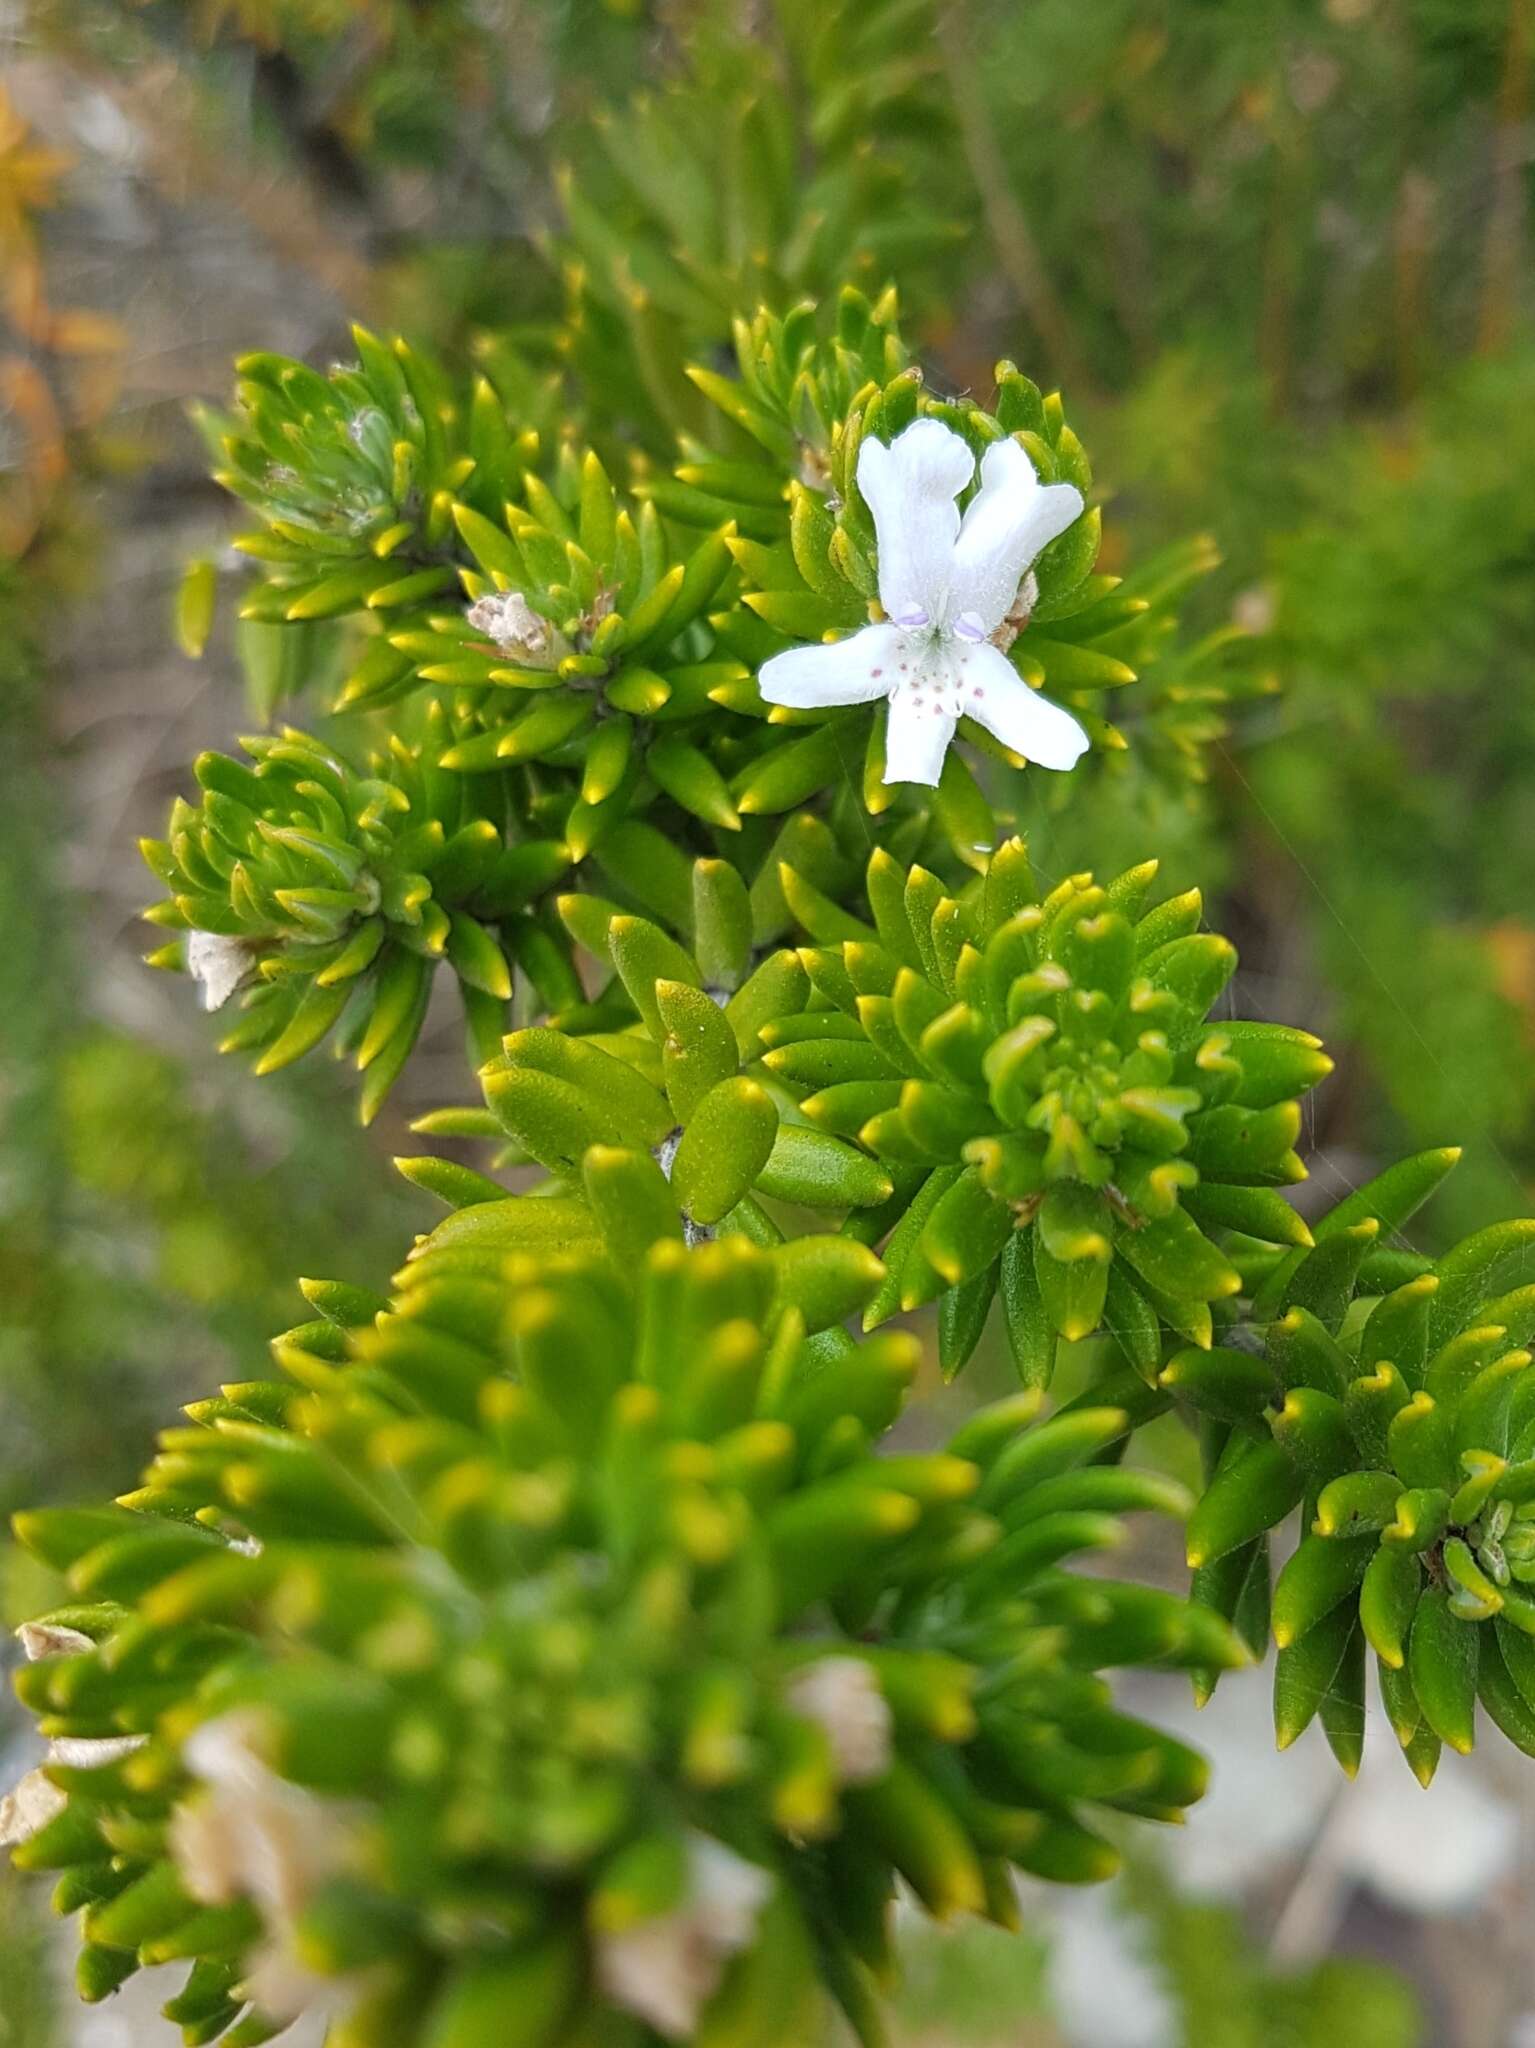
x,y
552,1649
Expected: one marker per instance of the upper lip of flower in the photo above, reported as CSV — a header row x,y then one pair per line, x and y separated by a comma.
x,y
946,583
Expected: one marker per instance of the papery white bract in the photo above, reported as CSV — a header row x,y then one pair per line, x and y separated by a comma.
x,y
665,1970
842,1696
28,1807
250,1834
946,584
507,618
219,963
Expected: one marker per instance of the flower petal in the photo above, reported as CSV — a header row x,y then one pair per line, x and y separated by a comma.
x,y
910,487
917,738
999,699
1010,518
851,671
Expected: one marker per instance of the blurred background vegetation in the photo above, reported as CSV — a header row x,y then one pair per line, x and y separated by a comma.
x,y
1276,254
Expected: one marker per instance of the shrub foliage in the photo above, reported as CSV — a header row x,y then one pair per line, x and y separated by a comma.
x,y
555,1650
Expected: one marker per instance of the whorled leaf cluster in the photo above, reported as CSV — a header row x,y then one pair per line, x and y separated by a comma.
x,y
545,1656
1391,1400
1041,1077
336,893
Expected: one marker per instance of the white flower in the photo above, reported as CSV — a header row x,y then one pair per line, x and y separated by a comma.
x,y
667,1969
252,1835
27,1809
220,963
841,1696
507,618
946,584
